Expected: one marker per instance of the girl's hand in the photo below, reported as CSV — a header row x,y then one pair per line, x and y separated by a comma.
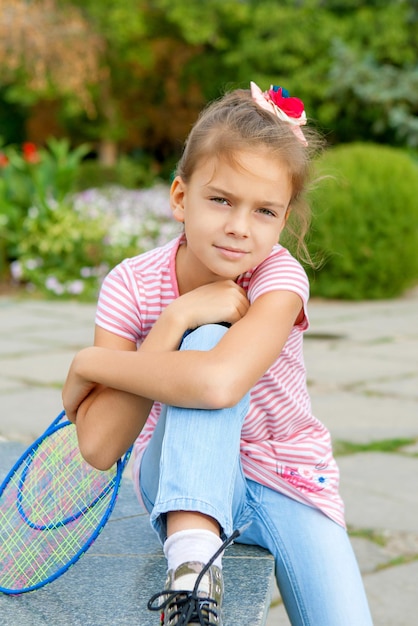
x,y
75,391
222,301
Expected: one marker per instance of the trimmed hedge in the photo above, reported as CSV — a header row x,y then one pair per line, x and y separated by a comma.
x,y
365,223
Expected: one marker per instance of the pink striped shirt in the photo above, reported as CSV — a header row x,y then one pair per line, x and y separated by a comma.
x,y
283,446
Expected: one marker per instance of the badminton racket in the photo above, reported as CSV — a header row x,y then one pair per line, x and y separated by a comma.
x,y
53,506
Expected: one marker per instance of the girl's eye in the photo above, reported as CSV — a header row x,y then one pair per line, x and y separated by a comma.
x,y
267,212
220,200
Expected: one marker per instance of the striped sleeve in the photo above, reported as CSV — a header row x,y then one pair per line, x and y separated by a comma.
x,y
118,309
280,272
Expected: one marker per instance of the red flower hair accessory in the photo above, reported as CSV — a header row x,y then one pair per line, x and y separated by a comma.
x,y
277,100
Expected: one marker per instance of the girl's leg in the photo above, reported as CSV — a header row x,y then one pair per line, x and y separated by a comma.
x,y
316,569
192,460
189,472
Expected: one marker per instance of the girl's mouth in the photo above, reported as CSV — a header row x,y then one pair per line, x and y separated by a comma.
x,y
231,253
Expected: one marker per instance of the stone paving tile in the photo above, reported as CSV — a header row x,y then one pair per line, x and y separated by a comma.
x,y
404,385
366,320
362,418
38,369
370,554
25,413
352,367
16,347
392,595
9,385
380,491
362,361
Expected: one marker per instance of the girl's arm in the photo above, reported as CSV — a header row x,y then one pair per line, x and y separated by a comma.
x,y
214,379
108,420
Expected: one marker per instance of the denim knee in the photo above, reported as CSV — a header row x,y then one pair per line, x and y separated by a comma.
x,y
203,337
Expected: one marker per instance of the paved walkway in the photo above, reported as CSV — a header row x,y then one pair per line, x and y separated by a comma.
x,y
362,361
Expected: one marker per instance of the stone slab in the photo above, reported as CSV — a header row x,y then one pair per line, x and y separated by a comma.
x,y
392,595
380,491
7,385
353,366
402,386
38,369
26,412
41,312
111,584
364,320
362,418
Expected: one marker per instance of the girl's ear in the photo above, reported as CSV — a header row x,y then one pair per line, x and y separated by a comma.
x,y
286,217
177,196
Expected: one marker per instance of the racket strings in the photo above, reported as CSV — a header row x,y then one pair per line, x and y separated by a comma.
x,y
50,507
44,498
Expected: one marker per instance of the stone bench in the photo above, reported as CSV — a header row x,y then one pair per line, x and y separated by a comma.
x,y
112,582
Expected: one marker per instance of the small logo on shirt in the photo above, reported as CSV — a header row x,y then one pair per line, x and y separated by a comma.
x,y
303,478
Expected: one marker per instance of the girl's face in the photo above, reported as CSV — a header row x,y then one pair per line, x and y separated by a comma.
x,y
233,214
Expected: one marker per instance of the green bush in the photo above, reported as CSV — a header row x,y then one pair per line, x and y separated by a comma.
x,y
127,172
66,248
61,252
365,223
32,177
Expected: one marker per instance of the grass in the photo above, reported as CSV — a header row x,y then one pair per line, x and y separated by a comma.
x,y
368,533
342,448
399,560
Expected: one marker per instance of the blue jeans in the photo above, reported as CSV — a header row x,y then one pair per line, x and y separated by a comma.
x,y
193,463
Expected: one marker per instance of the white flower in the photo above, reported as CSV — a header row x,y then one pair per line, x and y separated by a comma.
x,y
53,284
75,287
16,270
33,212
33,264
86,272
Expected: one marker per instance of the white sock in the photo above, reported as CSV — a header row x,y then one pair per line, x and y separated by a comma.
x,y
192,545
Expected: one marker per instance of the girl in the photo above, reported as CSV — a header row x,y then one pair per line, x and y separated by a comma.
x,y
198,360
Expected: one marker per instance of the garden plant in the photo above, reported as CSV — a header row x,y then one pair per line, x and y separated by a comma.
x,y
59,241
364,233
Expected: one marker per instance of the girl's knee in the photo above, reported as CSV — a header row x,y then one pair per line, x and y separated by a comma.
x,y
204,337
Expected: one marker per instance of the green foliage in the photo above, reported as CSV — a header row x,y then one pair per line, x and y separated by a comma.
x,y
32,177
67,247
128,172
365,223
382,99
56,172
354,63
61,252
12,121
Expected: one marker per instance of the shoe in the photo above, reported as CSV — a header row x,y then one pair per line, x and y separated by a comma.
x,y
202,605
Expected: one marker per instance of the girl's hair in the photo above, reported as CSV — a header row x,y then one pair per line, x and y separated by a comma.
x,y
235,123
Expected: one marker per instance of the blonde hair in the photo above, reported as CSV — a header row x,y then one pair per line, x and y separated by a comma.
x,y
235,123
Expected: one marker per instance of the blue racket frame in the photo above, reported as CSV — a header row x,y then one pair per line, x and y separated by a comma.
x,y
61,422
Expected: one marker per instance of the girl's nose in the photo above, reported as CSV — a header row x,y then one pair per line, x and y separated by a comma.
x,y
238,224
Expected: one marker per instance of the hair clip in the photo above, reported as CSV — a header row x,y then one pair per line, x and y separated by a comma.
x,y
277,100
